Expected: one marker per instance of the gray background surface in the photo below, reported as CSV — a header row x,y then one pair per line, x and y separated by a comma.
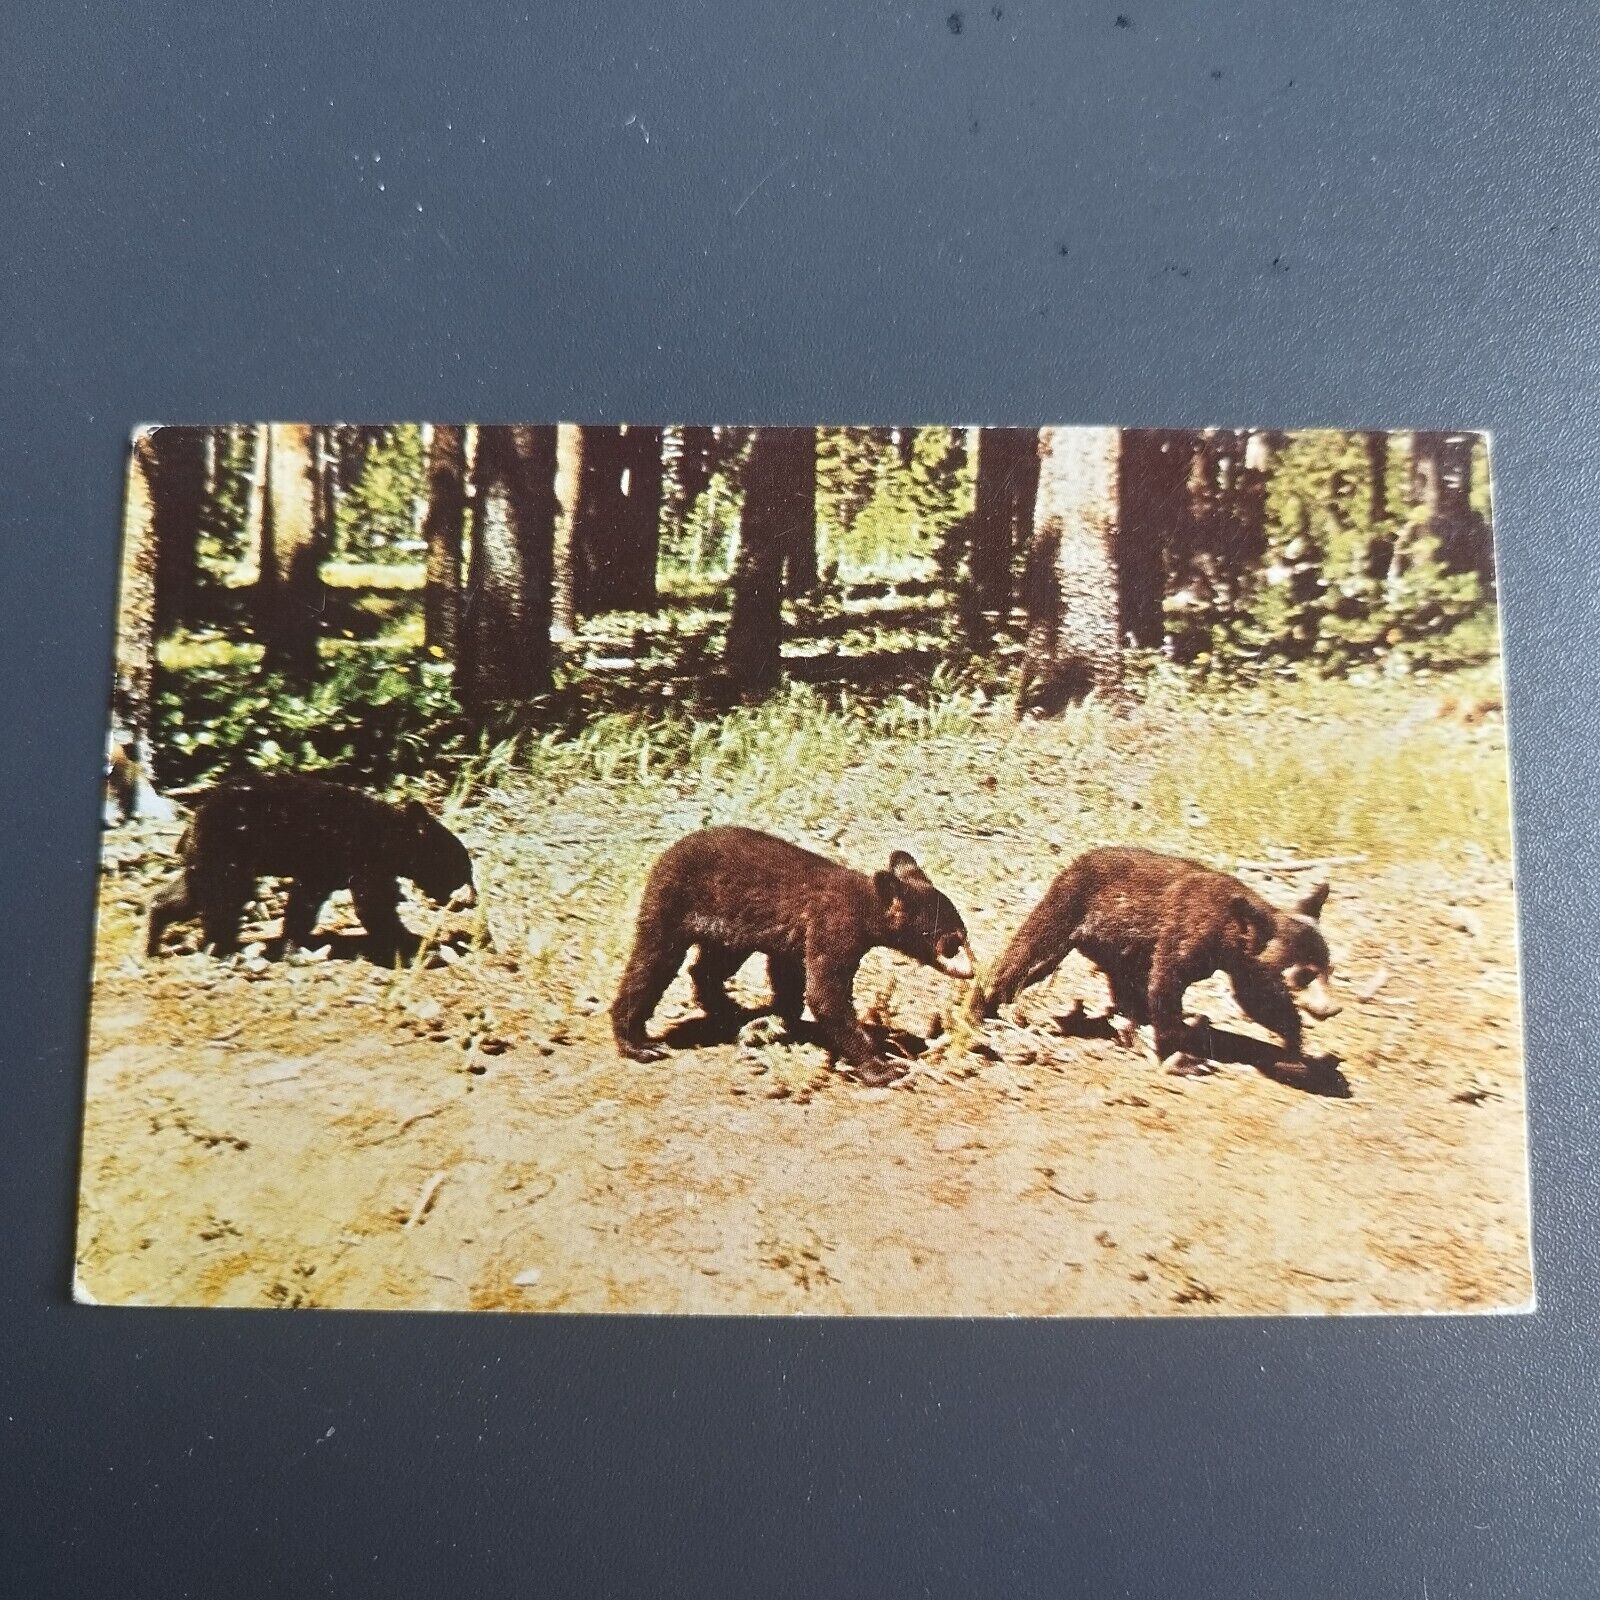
x,y
1378,213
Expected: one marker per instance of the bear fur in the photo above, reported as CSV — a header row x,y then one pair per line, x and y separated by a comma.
x,y
733,892
1154,924
322,836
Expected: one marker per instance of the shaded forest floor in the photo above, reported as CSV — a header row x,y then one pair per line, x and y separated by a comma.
x,y
461,1134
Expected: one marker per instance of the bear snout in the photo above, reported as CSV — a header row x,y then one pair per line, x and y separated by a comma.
x,y
464,898
1317,1000
958,964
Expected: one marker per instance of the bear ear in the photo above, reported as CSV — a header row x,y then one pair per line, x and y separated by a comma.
x,y
904,866
417,814
1311,905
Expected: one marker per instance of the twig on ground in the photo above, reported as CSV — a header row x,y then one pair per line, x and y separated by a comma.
x,y
425,1200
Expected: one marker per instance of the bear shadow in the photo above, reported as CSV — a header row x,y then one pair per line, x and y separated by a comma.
x,y
354,946
1318,1075
701,1032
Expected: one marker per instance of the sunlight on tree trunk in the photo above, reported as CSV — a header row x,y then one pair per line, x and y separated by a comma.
x,y
133,694
568,491
289,594
505,623
1073,595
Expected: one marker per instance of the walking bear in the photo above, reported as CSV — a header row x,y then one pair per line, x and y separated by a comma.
x,y
323,836
1154,924
732,892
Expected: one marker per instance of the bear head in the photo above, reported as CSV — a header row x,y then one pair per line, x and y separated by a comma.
x,y
922,922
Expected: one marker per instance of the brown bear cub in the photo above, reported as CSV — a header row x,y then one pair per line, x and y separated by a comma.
x,y
322,836
1154,924
732,892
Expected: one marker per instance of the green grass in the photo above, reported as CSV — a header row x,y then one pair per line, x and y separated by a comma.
x,y
1306,767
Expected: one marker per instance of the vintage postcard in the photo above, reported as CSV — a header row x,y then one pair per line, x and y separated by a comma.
x,y
884,870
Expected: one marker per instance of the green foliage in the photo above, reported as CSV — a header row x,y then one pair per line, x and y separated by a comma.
x,y
1339,588
368,718
377,519
886,498
225,514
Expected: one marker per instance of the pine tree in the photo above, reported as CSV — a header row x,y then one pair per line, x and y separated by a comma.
x,y
778,478
289,593
505,651
443,530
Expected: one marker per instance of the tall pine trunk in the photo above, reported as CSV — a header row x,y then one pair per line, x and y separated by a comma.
x,y
289,595
1376,444
1154,505
443,528
179,458
779,493
568,493
505,652
1074,596
598,524
1002,511
800,557
133,693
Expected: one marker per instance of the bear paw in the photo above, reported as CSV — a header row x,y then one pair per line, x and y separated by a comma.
x,y
1180,1064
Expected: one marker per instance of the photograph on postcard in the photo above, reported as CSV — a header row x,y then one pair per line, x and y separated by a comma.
x,y
909,870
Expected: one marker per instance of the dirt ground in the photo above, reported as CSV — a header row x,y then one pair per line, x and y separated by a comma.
x,y
462,1135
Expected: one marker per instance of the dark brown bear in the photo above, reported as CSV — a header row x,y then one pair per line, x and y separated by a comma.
x,y
733,891
322,836
1154,924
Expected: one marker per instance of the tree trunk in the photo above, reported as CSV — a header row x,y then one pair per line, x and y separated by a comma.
x,y
1155,474
800,558
131,752
1377,447
505,652
178,484
639,547
597,521
779,494
256,496
443,527
1463,535
1073,592
289,594
1002,511
568,492
325,450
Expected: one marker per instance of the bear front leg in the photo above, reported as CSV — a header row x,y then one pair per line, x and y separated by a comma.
x,y
377,901
221,901
171,905
1170,977
658,952
830,985
306,897
1039,946
1264,997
